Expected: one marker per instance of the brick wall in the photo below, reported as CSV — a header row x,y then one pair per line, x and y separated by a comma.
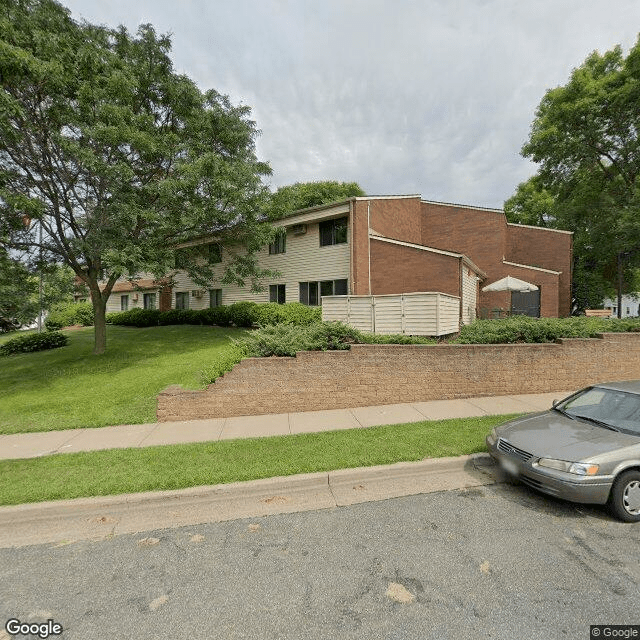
x,y
398,269
387,374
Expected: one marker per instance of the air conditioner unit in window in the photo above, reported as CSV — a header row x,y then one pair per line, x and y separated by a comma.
x,y
299,229
197,293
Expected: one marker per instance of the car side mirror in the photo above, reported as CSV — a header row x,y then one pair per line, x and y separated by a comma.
x,y
554,403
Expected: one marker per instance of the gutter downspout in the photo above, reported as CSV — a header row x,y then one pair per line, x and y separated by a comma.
x,y
369,240
351,285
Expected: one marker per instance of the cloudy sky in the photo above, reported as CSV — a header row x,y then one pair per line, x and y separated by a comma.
x,y
433,97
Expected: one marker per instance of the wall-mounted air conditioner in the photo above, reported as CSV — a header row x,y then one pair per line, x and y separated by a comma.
x,y
299,229
135,297
197,293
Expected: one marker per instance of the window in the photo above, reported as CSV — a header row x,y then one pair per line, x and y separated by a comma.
x,y
309,290
182,300
333,231
277,293
279,245
215,253
215,297
309,293
149,300
124,303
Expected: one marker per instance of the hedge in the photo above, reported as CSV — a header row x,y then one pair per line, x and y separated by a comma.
x,y
526,329
34,342
239,314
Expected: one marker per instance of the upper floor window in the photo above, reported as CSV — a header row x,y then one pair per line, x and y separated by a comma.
x,y
333,231
279,245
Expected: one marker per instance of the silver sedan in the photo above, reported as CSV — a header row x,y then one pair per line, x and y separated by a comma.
x,y
585,449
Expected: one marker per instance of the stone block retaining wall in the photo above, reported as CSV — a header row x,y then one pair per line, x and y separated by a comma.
x,y
389,374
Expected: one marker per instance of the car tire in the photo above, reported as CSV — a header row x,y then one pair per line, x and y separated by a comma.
x,y
624,499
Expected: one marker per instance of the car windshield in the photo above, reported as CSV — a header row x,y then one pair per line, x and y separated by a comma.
x,y
607,408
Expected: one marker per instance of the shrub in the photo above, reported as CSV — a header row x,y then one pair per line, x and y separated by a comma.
x,y
242,314
223,363
135,318
218,316
178,316
34,342
526,329
288,339
290,313
67,314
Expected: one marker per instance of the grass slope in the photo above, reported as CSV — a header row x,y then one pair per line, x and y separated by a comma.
x,y
73,475
69,387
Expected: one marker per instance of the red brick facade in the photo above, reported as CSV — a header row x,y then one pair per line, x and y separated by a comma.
x,y
540,256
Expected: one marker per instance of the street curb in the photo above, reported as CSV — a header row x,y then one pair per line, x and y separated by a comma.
x,y
105,516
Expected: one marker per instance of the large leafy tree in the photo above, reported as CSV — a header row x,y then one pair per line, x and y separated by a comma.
x,y
310,194
585,139
109,159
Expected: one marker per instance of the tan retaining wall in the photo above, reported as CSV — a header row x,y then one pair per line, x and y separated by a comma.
x,y
388,374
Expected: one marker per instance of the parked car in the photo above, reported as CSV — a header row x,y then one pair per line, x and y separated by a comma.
x,y
586,448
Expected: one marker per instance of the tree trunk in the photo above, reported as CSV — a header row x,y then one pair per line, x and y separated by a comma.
x,y
100,326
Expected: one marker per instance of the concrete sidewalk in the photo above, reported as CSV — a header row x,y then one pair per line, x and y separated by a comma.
x,y
32,445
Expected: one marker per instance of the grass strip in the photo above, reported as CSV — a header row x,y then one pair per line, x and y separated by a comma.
x,y
116,471
67,388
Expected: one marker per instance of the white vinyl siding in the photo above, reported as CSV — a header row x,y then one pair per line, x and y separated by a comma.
x,y
136,300
304,260
469,295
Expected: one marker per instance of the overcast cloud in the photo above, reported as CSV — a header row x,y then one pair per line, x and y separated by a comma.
x,y
432,97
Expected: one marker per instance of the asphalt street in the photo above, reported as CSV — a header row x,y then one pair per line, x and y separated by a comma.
x,y
495,561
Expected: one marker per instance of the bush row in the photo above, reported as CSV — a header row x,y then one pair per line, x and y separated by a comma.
x,y
239,314
68,314
34,342
525,329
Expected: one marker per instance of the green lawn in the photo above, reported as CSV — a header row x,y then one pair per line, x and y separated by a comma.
x,y
117,471
69,387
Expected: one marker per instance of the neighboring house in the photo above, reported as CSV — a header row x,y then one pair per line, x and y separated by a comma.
x,y
376,245
630,305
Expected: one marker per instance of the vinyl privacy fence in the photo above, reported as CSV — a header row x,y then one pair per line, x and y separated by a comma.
x,y
416,314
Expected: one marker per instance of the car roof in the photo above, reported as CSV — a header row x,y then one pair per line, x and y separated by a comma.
x,y
630,386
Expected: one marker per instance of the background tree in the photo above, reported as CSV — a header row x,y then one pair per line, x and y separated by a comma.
x,y
18,294
310,194
116,157
585,138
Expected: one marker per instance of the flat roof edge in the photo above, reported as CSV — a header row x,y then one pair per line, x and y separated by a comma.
x,y
532,226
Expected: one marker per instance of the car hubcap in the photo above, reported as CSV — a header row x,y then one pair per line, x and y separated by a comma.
x,y
631,498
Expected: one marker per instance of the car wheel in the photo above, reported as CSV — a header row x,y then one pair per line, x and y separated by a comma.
x,y
624,500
